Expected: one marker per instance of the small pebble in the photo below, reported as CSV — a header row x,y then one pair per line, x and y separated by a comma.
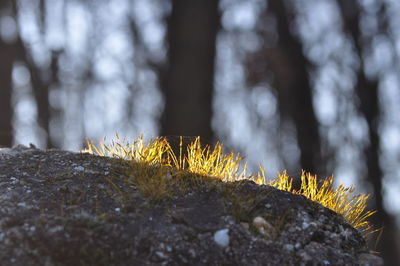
x,y
221,237
79,168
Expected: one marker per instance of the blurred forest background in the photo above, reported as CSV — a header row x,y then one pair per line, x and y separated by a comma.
x,y
295,84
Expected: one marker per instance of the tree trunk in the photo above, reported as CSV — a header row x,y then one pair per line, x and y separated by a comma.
x,y
188,81
8,55
367,91
6,110
292,83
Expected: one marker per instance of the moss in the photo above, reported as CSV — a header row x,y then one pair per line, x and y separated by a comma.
x,y
159,171
241,203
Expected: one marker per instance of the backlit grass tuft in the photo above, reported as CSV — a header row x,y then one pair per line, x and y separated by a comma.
x,y
208,161
205,160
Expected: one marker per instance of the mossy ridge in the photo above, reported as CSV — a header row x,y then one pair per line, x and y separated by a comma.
x,y
160,169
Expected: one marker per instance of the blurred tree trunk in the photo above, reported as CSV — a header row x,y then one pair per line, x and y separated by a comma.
x,y
7,55
367,92
41,87
41,79
188,81
291,79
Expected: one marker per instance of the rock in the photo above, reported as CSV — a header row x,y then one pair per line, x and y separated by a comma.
x,y
63,208
263,227
79,168
245,225
221,237
366,259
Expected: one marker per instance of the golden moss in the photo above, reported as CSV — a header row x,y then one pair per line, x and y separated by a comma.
x,y
158,163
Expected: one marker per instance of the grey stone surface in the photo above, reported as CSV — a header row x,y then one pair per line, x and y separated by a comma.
x,y
62,208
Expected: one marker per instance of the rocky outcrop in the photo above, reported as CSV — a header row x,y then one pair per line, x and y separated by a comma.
x,y
63,208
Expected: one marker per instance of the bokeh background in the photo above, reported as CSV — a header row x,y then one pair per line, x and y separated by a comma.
x,y
295,84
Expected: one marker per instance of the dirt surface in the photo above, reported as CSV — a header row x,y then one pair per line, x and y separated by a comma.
x,y
63,208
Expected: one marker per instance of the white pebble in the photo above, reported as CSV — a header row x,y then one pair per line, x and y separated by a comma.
x,y
305,225
221,237
21,204
79,168
288,247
